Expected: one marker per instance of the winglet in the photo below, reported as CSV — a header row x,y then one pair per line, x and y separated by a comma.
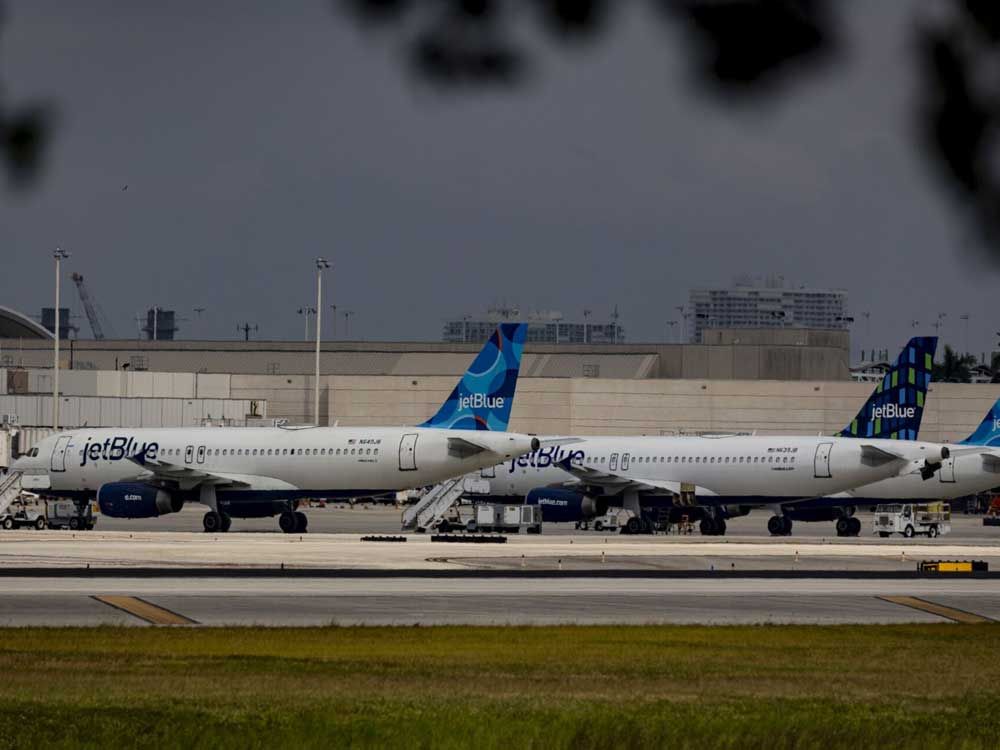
x,y
895,408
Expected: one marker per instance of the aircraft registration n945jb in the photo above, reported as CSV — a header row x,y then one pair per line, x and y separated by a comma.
x,y
261,472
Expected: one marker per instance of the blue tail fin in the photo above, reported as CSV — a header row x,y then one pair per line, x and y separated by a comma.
x,y
896,407
483,398
988,432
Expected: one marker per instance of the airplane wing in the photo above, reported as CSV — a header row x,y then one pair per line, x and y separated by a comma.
x,y
614,484
165,474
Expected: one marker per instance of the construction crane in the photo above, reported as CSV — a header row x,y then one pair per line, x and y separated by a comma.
x,y
89,307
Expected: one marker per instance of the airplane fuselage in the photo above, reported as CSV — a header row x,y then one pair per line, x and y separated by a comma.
x,y
730,469
300,462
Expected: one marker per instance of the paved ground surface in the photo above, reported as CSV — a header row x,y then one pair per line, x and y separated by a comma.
x,y
376,519
221,601
483,583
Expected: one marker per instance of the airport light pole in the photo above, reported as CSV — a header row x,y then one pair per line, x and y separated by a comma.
x,y
321,265
59,255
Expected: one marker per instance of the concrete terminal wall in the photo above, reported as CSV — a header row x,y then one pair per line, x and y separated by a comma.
x,y
785,358
543,405
582,406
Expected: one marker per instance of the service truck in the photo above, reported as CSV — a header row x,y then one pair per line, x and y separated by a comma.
x,y
909,519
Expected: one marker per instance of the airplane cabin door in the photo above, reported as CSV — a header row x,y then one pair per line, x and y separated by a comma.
x,y
58,462
946,473
408,452
821,464
201,454
188,454
613,462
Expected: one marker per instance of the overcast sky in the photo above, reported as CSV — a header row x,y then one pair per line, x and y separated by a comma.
x,y
255,135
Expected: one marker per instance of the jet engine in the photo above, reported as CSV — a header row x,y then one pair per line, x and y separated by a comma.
x,y
565,505
136,500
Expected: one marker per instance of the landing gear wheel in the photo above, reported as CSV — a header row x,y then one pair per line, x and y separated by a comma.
x,y
287,523
779,526
707,526
843,526
932,532
855,527
720,526
633,525
212,522
301,522
908,532
227,521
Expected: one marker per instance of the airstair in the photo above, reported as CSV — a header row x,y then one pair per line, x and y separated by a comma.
x,y
431,508
10,489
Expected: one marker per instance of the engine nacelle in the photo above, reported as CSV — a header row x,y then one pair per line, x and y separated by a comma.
x,y
136,500
565,505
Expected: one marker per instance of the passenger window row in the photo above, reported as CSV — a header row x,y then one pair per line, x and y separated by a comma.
x,y
277,451
707,459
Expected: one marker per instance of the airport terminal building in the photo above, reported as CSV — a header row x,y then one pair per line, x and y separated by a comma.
x,y
792,381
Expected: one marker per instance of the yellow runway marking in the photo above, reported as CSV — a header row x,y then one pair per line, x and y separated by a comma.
x,y
145,610
950,613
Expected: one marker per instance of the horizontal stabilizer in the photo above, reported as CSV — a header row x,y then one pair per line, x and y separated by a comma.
x,y
462,448
874,456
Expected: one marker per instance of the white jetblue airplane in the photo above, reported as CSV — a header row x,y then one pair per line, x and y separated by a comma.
x,y
717,477
260,472
973,467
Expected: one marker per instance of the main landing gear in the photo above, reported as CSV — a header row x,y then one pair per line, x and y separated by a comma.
x,y
711,526
293,522
848,526
215,522
779,526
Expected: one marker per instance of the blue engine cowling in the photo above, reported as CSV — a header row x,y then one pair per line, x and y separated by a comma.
x,y
565,505
136,500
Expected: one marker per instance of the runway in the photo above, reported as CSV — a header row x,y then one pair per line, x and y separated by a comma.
x,y
144,577
508,601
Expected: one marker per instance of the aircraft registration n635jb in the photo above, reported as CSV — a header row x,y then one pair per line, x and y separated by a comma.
x,y
261,472
715,477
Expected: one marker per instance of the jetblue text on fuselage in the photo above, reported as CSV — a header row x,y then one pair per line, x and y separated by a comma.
x,y
544,457
116,449
893,411
480,401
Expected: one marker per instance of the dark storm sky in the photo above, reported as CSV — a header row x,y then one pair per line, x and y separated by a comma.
x,y
255,135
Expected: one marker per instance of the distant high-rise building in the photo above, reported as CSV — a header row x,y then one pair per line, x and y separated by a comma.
x,y
754,302
544,327
160,324
66,328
